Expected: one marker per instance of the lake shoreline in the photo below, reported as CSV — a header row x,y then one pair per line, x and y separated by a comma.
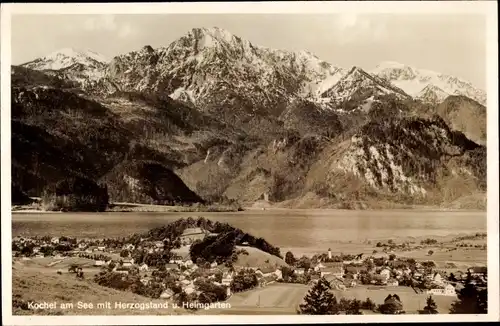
x,y
145,208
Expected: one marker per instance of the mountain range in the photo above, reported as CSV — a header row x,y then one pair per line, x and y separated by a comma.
x,y
230,119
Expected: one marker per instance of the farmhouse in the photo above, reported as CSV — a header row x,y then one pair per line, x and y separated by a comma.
x,y
99,263
144,267
335,269
447,290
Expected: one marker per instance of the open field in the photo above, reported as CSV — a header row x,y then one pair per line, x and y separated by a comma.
x,y
276,298
412,302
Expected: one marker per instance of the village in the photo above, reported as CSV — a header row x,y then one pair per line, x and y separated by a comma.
x,y
181,278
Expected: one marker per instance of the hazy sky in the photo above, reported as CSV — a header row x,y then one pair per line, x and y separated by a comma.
x,y
453,44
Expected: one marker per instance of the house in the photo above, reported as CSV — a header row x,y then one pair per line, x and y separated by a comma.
x,y
188,263
279,274
91,249
265,271
54,240
144,267
299,271
145,281
189,289
478,271
227,278
392,282
36,249
213,265
437,278
167,294
128,247
82,245
121,270
99,263
447,290
386,273
159,244
335,269
318,267
101,248
128,262
171,266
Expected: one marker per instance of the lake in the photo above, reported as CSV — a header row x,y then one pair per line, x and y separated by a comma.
x,y
300,230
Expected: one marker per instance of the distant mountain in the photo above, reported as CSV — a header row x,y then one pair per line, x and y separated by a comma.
x,y
84,68
426,84
234,120
65,58
212,68
357,87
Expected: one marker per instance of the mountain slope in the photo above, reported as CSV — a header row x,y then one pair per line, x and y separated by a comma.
x,y
413,81
466,115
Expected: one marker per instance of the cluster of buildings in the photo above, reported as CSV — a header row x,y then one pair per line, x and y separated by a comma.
x,y
346,274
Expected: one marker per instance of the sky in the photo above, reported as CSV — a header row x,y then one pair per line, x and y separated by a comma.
x,y
452,44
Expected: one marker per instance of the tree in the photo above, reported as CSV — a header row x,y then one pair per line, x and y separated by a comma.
x,y
431,307
289,258
430,252
319,300
471,299
392,305
452,278
368,304
392,256
124,253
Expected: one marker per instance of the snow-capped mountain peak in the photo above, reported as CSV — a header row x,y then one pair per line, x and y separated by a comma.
x,y
67,57
419,82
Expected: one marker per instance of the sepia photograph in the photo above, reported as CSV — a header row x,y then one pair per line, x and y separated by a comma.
x,y
191,163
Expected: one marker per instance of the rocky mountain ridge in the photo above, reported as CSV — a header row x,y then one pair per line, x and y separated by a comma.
x,y
235,120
